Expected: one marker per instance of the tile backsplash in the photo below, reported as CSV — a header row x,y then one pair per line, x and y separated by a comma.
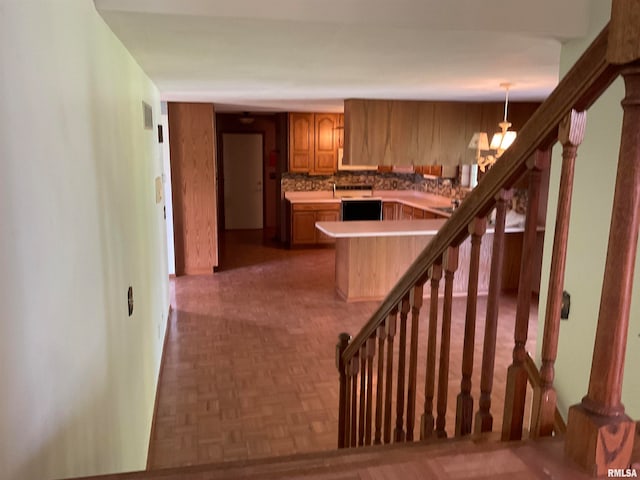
x,y
301,182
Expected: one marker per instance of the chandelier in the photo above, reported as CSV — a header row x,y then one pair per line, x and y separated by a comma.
x,y
487,153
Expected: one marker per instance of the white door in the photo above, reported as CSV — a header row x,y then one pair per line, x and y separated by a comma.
x,y
242,163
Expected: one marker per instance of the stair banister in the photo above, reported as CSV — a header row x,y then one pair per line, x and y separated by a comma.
x,y
579,89
599,433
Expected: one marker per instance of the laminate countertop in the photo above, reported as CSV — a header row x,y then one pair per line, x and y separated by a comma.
x,y
391,228
426,201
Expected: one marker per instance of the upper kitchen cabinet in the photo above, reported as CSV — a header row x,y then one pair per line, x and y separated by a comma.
x,y
314,139
301,142
385,132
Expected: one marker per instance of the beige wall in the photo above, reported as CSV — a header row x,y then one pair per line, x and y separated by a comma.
x,y
79,225
589,230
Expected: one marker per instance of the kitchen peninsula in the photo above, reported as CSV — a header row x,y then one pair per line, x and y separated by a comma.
x,y
372,256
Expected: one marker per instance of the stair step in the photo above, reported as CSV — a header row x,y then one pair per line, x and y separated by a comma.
x,y
456,458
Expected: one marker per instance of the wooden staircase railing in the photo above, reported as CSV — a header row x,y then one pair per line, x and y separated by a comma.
x,y
560,118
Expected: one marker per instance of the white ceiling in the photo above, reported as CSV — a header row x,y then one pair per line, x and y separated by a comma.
x,y
309,55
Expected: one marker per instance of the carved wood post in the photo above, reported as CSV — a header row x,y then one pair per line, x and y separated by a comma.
x,y
464,410
381,333
391,332
450,267
354,401
427,422
413,356
343,342
484,418
371,352
516,388
404,311
363,386
570,135
599,434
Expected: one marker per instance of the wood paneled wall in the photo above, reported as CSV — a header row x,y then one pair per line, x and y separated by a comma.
x,y
393,132
193,178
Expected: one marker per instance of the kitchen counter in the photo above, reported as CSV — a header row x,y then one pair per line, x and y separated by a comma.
x,y
373,228
372,255
391,228
425,201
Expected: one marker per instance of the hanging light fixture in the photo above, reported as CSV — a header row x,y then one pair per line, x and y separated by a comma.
x,y
487,153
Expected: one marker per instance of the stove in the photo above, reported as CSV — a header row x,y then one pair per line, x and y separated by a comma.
x,y
357,202
352,191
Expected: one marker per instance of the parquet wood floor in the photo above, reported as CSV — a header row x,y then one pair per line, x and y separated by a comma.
x,y
249,365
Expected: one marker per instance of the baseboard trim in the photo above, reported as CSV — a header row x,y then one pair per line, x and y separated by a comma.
x,y
155,402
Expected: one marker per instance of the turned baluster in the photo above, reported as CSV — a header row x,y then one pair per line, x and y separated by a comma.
x,y
600,435
413,356
354,401
427,422
450,267
570,135
484,418
516,388
371,352
391,332
363,386
399,433
381,333
464,410
343,342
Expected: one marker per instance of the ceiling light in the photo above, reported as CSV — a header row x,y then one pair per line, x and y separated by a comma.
x,y
246,119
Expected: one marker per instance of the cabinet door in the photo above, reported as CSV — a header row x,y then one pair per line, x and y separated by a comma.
x,y
326,216
301,142
406,213
303,227
429,215
403,132
326,143
418,213
389,210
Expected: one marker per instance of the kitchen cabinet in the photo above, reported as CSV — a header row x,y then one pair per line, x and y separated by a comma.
x,y
386,132
314,139
406,212
301,141
390,210
303,222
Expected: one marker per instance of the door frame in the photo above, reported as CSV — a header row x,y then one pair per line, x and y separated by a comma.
x,y
220,173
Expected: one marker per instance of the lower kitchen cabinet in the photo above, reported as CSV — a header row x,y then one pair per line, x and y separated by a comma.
x,y
406,212
303,222
390,210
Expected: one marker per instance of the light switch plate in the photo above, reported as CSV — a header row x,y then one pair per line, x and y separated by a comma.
x,y
158,189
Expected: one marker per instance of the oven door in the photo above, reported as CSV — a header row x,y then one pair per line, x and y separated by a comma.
x,y
360,209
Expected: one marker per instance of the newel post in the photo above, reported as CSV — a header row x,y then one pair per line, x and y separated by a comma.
x,y
599,434
343,342
570,135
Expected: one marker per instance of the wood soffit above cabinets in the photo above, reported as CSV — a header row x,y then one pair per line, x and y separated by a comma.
x,y
398,132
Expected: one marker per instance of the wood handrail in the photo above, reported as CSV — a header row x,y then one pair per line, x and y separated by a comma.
x,y
579,89
559,425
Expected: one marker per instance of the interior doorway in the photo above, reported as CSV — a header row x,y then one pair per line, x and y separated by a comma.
x,y
243,180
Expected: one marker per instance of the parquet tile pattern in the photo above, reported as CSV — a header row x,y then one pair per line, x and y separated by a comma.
x,y
249,366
